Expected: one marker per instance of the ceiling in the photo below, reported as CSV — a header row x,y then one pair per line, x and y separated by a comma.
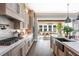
x,y
53,6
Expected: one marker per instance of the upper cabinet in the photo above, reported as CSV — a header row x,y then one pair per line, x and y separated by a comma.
x,y
17,13
31,18
11,10
14,7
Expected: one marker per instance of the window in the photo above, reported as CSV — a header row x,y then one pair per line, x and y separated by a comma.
x,y
50,27
54,28
45,27
40,28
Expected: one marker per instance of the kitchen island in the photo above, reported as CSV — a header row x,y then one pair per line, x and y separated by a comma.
x,y
68,47
71,48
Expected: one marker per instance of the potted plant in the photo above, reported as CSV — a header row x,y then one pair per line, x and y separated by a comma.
x,y
59,28
67,30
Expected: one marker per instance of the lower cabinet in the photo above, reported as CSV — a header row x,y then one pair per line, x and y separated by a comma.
x,y
55,50
68,52
7,54
60,53
25,49
17,51
21,49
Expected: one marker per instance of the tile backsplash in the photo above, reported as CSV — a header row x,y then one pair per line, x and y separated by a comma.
x,y
6,34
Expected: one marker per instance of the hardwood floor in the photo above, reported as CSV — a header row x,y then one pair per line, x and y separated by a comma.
x,y
41,48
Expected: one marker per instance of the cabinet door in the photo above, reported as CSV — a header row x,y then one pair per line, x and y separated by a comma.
x,y
55,50
24,49
17,51
68,52
60,53
7,54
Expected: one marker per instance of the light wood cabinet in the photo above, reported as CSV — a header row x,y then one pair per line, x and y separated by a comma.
x,y
25,48
7,54
21,49
60,53
68,52
17,51
55,50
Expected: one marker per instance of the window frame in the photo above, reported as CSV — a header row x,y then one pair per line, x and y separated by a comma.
x,y
50,27
40,28
45,28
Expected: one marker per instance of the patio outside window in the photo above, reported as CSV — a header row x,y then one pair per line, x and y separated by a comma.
x,y
45,28
50,28
54,28
40,28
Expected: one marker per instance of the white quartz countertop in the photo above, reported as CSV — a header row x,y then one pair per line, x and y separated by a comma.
x,y
73,46
5,49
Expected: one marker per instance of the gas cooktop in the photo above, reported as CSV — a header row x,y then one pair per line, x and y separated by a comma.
x,y
8,41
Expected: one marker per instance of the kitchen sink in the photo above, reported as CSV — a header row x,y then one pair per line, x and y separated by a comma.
x,y
60,45
64,40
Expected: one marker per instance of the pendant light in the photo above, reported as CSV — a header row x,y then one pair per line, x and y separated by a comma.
x,y
67,20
